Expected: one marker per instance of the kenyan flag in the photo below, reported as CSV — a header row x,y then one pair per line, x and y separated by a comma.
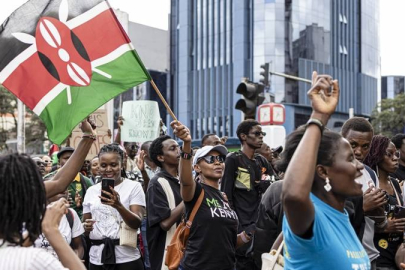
x,y
66,58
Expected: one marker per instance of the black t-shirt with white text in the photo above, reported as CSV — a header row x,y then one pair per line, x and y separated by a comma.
x,y
213,234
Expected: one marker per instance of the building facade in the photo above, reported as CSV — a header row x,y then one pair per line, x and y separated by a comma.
x,y
391,86
215,43
152,46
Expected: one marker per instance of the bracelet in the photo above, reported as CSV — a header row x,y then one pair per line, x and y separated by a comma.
x,y
89,136
317,122
244,238
185,155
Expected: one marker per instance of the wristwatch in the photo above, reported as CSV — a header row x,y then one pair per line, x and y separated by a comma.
x,y
318,123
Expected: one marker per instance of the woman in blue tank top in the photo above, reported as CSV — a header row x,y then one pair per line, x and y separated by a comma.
x,y
320,176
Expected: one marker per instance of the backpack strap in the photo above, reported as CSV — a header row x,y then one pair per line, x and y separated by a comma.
x,y
172,204
372,174
70,218
168,191
84,184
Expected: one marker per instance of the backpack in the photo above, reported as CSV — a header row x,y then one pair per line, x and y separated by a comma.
x,y
70,218
371,173
84,184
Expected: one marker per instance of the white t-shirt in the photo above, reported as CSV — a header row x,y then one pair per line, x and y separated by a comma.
x,y
67,233
108,219
27,258
367,241
365,178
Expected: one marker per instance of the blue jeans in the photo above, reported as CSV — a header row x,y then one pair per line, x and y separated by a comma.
x,y
145,245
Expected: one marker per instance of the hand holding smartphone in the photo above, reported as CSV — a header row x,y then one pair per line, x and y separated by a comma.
x,y
106,183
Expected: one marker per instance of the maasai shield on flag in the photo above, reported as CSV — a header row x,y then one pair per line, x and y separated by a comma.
x,y
66,58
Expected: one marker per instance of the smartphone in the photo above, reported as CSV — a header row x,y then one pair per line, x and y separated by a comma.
x,y
106,183
399,211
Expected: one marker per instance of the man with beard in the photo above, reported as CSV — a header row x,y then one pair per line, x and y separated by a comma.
x,y
242,184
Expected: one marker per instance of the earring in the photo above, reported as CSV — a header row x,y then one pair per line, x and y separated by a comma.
x,y
327,186
378,175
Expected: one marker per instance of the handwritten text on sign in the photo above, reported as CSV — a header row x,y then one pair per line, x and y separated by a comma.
x,y
141,121
99,117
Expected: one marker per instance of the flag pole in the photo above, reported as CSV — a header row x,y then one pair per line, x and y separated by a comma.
x,y
163,100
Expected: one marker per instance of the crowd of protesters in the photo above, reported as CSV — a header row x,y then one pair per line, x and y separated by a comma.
x,y
330,200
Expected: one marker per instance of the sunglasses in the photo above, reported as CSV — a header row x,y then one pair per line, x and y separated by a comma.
x,y
211,159
40,163
258,133
392,154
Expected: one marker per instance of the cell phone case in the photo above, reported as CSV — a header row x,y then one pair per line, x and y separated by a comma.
x,y
399,212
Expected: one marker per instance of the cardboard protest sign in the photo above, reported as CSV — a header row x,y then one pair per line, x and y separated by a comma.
x,y
103,138
141,121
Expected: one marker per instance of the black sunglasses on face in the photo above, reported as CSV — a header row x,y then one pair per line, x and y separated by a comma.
x,y
258,133
40,163
211,159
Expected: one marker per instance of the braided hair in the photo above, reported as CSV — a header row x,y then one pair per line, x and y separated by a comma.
x,y
114,148
378,148
22,198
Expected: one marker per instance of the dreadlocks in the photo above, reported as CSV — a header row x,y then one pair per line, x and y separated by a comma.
x,y
114,148
378,147
22,198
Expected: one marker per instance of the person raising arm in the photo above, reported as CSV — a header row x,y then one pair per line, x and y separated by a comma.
x,y
320,176
67,173
213,234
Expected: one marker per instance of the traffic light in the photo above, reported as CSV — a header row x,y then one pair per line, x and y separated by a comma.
x,y
265,74
253,96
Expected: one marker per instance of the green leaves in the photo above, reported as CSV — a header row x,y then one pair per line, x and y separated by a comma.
x,y
388,118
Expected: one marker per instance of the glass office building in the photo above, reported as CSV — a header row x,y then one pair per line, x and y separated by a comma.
x,y
391,86
215,43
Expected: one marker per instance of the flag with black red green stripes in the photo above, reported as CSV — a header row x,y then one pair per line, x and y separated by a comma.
x,y
66,58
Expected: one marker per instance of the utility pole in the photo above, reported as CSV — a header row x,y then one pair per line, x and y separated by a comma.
x,y
290,77
21,127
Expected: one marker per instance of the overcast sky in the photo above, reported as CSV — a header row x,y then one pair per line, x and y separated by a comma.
x,y
154,13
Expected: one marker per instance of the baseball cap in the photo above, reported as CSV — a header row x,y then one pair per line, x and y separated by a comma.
x,y
64,150
278,149
202,152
